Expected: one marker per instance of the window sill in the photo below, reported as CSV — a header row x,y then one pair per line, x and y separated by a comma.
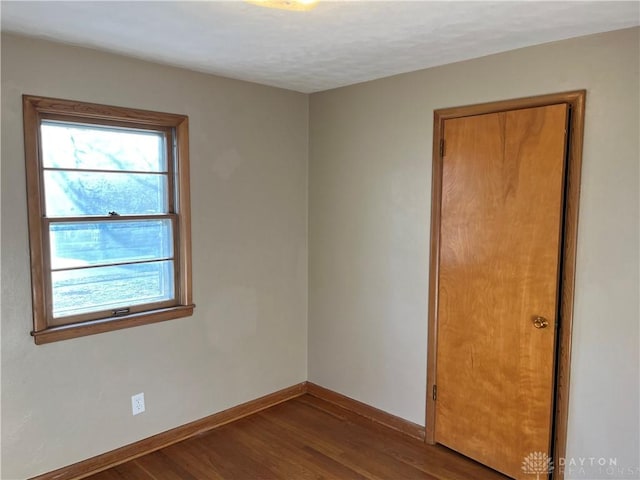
x,y
66,332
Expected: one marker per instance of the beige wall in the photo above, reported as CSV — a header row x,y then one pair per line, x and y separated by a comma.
x,y
369,208
70,400
369,188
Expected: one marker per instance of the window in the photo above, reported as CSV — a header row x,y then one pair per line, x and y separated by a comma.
x,y
109,226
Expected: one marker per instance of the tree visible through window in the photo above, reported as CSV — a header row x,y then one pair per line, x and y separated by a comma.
x,y
108,217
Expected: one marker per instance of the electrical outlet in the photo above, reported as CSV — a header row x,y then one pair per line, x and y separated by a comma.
x,y
137,403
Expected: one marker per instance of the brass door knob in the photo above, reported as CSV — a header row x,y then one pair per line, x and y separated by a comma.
x,y
540,322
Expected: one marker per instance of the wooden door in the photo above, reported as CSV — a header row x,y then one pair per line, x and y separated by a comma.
x,y
500,237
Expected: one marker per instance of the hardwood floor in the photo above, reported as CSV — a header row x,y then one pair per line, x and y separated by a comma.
x,y
303,438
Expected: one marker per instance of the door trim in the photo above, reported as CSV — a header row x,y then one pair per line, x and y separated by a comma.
x,y
576,100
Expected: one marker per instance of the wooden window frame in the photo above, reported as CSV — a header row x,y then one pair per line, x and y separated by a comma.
x,y
176,128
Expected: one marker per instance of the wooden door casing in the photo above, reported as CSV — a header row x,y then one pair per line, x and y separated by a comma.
x,y
501,215
577,101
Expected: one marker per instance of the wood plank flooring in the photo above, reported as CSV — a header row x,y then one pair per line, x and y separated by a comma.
x,y
304,438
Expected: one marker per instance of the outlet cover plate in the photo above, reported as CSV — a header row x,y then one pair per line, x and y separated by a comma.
x,y
137,403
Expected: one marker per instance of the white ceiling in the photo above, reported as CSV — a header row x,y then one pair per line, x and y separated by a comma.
x,y
335,44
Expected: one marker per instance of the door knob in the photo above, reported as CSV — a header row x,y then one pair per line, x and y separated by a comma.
x,y
540,322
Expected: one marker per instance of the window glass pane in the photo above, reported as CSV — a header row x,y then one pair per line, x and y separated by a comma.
x,y
69,193
102,288
68,145
80,244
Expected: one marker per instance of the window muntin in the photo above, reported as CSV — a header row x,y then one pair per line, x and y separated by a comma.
x,y
108,217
